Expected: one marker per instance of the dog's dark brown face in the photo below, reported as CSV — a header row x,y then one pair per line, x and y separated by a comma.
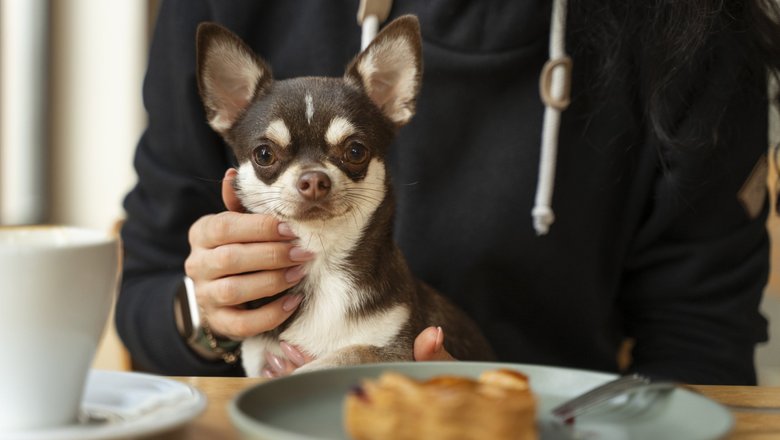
x,y
310,148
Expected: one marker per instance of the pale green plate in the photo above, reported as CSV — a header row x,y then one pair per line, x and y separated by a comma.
x,y
308,406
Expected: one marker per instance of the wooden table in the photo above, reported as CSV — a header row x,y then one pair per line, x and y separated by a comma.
x,y
756,409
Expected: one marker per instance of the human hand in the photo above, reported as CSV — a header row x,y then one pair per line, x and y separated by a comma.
x,y
428,346
278,366
237,257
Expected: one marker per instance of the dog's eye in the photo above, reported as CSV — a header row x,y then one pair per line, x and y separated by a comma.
x,y
356,154
264,156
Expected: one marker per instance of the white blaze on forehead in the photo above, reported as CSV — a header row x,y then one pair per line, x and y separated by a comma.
x,y
309,107
278,132
339,130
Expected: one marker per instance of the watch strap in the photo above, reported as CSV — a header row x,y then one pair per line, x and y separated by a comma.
x,y
227,349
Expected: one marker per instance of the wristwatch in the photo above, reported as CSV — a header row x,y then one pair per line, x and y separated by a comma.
x,y
195,330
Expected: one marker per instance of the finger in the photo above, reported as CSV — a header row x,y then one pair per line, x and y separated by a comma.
x,y
238,324
278,365
239,258
229,197
227,227
239,289
295,355
429,346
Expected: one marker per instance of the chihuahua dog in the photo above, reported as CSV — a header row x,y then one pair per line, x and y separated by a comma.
x,y
311,151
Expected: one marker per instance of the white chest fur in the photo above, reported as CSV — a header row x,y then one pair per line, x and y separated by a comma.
x,y
326,321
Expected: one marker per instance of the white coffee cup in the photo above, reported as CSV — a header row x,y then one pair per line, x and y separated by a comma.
x,y
57,285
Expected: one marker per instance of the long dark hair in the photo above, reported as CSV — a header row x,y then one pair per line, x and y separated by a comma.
x,y
675,38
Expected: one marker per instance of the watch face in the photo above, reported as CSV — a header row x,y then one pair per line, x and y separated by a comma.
x,y
191,333
182,315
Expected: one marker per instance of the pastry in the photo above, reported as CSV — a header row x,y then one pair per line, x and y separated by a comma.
x,y
498,405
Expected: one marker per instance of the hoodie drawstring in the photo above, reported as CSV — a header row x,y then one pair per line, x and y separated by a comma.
x,y
555,89
371,13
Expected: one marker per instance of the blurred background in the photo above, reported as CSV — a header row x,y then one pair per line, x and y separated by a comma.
x,y
71,113
71,107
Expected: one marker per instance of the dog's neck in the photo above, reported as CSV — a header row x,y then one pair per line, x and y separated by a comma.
x,y
341,240
332,240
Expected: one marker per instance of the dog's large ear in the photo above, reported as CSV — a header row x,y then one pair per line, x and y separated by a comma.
x,y
390,68
229,75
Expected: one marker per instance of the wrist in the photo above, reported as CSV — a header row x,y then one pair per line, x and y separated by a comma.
x,y
195,331
223,348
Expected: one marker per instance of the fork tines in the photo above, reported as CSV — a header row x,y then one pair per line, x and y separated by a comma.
x,y
598,395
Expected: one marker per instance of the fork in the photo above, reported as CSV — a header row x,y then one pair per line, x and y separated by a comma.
x,y
624,385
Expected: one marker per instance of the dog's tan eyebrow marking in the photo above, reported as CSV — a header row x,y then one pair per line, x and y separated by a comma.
x,y
309,107
339,130
278,132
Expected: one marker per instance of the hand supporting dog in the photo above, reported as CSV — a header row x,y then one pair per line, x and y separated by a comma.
x,y
236,258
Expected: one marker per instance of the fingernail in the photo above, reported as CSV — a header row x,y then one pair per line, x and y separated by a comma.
x,y
439,340
294,274
300,254
265,372
291,302
292,354
285,230
275,362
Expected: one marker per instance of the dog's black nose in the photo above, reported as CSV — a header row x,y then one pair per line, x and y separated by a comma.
x,y
314,185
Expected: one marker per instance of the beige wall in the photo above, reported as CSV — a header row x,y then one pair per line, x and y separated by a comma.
x,y
99,53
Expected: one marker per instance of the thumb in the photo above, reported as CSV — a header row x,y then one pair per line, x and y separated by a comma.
x,y
429,346
229,192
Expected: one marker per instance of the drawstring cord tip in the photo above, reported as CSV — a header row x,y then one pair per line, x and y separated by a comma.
x,y
543,219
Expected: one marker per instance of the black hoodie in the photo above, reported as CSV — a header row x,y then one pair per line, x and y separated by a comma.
x,y
650,242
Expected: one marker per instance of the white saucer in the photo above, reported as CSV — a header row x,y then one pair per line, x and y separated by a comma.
x,y
120,405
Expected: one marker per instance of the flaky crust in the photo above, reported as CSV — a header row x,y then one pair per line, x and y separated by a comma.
x,y
498,405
